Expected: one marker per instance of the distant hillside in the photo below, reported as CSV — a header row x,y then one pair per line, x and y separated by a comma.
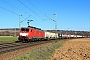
x,y
71,32
15,31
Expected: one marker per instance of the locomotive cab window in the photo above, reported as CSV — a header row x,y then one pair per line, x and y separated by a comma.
x,y
24,29
27,30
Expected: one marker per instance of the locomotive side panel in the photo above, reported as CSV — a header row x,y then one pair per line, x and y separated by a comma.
x,y
28,34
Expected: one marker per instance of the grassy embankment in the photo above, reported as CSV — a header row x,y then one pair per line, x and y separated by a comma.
x,y
5,39
43,53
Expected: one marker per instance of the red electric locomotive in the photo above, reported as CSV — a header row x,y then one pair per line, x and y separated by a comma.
x,y
30,34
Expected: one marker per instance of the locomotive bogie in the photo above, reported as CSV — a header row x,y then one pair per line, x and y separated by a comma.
x,y
23,38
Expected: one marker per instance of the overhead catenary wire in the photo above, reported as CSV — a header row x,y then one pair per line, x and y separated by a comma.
x,y
11,11
34,6
25,18
17,8
30,9
14,6
39,10
44,14
24,11
8,10
14,12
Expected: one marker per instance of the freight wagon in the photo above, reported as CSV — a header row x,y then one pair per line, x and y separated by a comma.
x,y
35,34
50,35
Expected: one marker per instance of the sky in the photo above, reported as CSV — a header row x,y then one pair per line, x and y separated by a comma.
x,y
69,14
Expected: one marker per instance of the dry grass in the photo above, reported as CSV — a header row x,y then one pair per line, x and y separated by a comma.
x,y
43,53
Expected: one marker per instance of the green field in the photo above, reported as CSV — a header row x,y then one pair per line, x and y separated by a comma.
x,y
4,39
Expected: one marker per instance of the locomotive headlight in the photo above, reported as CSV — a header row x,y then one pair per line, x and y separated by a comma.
x,y
20,35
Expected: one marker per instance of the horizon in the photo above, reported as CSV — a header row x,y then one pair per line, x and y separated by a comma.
x,y
69,14
47,29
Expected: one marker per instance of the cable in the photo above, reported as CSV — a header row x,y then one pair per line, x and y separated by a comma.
x,y
34,6
25,19
17,8
21,10
30,9
14,6
39,10
8,10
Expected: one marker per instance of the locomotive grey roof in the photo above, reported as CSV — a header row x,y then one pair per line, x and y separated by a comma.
x,y
34,27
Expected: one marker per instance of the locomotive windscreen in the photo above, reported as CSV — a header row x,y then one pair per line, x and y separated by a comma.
x,y
25,29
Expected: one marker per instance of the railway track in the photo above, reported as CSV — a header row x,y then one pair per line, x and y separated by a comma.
x,y
8,47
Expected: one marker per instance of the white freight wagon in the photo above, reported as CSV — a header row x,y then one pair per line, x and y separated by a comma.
x,y
51,35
